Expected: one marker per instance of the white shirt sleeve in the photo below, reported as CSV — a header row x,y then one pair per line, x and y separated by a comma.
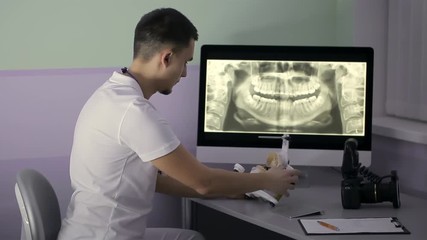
x,y
145,132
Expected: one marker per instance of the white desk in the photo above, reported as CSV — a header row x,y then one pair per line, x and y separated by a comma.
x,y
324,193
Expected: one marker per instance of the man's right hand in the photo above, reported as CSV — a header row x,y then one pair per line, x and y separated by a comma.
x,y
282,180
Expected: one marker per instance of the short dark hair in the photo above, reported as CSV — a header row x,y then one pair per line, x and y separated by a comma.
x,y
162,26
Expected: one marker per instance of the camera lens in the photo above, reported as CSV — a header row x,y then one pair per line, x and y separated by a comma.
x,y
381,192
369,193
389,192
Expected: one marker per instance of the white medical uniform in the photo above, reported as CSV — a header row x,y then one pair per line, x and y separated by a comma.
x,y
117,134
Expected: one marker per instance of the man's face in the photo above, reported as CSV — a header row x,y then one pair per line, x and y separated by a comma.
x,y
177,67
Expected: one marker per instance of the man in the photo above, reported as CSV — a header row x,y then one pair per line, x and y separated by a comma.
x,y
121,144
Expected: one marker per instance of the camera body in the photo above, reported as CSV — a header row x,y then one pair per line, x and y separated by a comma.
x,y
359,185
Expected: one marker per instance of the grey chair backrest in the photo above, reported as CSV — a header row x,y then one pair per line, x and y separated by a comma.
x,y
39,207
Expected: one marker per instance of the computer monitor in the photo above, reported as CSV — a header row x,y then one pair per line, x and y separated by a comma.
x,y
250,96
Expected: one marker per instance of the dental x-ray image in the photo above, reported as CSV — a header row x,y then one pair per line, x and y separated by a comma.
x,y
285,97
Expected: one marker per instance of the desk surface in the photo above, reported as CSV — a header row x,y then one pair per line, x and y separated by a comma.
x,y
324,194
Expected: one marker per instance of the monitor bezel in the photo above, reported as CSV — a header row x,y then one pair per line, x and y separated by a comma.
x,y
295,53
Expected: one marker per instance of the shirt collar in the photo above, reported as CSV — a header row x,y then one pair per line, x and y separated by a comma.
x,y
123,79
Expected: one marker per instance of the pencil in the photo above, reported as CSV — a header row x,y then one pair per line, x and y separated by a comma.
x,y
327,225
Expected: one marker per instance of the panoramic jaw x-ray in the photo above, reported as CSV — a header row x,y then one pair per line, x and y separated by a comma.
x,y
285,96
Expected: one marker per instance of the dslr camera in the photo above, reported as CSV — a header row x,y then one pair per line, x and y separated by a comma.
x,y
361,185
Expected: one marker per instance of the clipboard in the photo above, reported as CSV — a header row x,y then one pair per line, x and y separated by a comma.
x,y
339,226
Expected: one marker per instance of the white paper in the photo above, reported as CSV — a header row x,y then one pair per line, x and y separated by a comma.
x,y
352,225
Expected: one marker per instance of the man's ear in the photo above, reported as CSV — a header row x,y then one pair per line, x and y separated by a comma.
x,y
166,58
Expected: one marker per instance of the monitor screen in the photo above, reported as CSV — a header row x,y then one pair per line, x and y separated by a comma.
x,y
250,96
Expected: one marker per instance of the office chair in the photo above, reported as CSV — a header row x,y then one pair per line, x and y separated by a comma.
x,y
39,207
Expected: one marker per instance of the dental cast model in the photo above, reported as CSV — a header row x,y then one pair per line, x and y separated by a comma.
x,y
274,159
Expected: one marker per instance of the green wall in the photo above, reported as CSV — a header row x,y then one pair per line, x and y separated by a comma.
x,y
44,34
